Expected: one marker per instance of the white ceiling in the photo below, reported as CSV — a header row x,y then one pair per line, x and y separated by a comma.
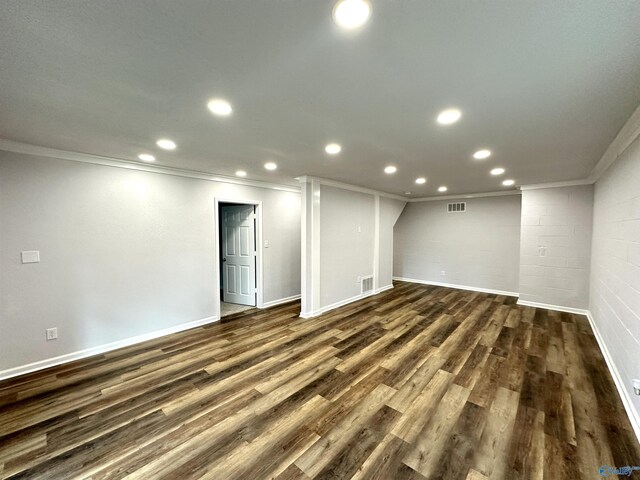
x,y
544,84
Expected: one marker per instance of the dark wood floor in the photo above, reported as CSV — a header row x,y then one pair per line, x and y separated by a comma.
x,y
417,382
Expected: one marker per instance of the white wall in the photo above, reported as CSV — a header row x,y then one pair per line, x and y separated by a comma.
x,y
479,248
346,234
346,242
123,253
615,269
390,210
556,246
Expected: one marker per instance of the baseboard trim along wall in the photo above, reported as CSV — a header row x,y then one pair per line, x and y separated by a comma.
x,y
634,416
89,352
333,306
342,303
280,301
459,287
632,413
557,308
382,289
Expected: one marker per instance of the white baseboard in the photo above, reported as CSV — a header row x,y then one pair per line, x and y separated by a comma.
x,y
280,301
333,306
89,352
632,413
382,289
558,308
459,287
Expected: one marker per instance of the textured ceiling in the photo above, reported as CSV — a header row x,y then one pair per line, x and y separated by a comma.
x,y
544,84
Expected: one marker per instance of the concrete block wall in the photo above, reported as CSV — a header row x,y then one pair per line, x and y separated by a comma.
x,y
555,246
615,275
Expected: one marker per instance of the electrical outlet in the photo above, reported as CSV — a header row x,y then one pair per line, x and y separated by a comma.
x,y
542,251
442,273
636,386
52,333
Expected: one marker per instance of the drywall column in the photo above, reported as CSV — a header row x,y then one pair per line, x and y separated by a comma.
x,y
555,247
350,229
376,243
310,274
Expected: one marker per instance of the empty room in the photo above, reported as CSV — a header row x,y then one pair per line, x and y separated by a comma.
x,y
319,239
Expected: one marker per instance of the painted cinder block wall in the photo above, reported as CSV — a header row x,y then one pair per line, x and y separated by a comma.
x,y
555,246
615,271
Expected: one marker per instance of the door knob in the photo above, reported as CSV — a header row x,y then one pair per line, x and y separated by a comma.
x,y
224,259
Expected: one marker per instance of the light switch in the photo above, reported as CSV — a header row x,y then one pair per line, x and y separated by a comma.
x,y
266,244
31,256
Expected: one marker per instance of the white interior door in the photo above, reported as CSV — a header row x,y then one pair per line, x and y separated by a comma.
x,y
238,255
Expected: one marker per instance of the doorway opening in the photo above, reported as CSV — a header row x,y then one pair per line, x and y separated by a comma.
x,y
239,271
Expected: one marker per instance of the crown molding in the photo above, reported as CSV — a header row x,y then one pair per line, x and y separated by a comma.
x,y
466,195
627,135
347,186
568,183
625,138
29,149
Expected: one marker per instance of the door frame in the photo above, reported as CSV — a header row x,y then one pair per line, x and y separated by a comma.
x,y
259,245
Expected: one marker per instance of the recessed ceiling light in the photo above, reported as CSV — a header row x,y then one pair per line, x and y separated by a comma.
x,y
407,193
350,14
219,107
166,144
333,149
390,169
442,189
449,116
145,157
497,171
270,166
508,183
482,154
421,180
241,173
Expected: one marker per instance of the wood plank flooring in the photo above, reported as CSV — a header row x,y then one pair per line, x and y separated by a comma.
x,y
417,382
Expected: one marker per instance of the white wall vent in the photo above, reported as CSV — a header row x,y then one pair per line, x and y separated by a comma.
x,y
366,285
459,207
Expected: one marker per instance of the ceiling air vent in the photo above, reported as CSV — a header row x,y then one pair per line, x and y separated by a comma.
x,y
457,207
